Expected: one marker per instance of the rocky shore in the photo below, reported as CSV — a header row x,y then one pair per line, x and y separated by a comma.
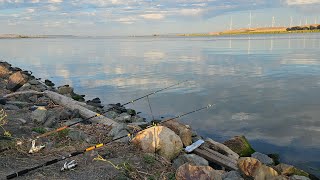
x,y
152,151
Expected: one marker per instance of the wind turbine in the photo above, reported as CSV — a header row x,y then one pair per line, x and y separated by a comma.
x,y
231,23
291,20
273,21
250,20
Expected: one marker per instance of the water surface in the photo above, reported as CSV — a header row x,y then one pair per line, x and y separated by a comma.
x,y
265,87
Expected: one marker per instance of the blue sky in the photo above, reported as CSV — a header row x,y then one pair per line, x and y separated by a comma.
x,y
140,17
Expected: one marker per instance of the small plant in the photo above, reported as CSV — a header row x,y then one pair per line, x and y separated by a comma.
x,y
149,159
62,134
39,130
4,121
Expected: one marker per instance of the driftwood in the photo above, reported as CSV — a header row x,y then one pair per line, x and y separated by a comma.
x,y
70,104
222,148
216,157
23,92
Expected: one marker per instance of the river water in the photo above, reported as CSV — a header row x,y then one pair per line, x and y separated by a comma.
x,y
266,87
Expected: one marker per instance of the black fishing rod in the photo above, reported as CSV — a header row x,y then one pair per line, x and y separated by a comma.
x,y
76,153
132,101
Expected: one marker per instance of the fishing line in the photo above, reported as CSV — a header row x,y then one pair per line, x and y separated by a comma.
x,y
76,153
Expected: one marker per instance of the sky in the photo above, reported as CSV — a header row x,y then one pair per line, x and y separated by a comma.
x,y
146,17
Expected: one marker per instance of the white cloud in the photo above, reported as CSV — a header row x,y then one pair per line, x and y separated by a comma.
x,y
55,1
35,1
152,16
126,20
302,2
30,10
53,8
191,12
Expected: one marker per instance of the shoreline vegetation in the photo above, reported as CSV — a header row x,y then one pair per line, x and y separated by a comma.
x,y
31,108
313,28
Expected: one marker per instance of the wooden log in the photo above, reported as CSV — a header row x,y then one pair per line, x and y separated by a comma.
x,y
23,92
215,153
222,147
72,105
216,159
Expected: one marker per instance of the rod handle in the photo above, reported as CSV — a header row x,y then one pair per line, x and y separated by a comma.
x,y
14,175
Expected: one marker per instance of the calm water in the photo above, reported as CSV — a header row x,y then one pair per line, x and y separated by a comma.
x,y
265,87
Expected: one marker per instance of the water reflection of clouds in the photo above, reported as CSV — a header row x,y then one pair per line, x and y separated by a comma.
x,y
264,95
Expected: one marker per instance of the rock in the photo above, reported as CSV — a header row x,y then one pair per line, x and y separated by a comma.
x,y
52,118
96,102
120,134
39,87
289,170
78,97
33,82
275,158
192,159
77,135
248,165
111,114
48,83
65,114
131,112
265,172
75,120
3,101
232,175
181,130
296,177
16,80
240,145
123,118
11,107
116,129
161,138
115,107
262,158
66,89
137,119
25,87
188,171
39,115
4,71
140,124
75,114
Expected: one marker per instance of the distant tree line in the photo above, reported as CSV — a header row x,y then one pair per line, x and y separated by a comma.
x,y
298,28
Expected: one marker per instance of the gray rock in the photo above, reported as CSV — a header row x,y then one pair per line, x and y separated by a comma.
x,y
11,107
51,121
39,115
196,138
137,119
66,89
116,129
131,112
78,135
122,133
3,101
74,120
232,175
123,117
189,158
33,82
65,114
143,125
296,177
262,158
33,98
111,114
25,87
40,87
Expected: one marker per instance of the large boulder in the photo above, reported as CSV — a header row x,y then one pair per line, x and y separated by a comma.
x,y
240,145
296,177
161,139
262,158
191,159
248,165
289,170
4,71
181,130
16,80
188,171
265,172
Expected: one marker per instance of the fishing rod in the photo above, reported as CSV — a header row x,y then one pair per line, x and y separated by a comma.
x,y
97,115
76,153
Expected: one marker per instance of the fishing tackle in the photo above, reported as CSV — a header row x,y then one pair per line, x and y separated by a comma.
x,y
76,153
97,115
